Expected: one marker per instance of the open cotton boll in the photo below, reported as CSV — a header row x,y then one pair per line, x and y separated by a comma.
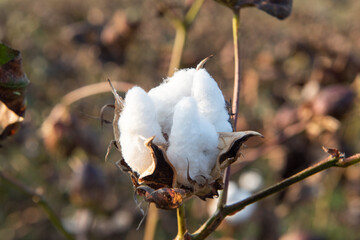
x,y
210,100
138,121
193,142
169,93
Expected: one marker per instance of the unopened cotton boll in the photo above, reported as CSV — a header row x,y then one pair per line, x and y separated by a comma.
x,y
193,143
137,122
210,100
169,93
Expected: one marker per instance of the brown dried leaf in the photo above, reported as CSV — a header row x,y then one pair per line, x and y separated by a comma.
x,y
13,83
9,121
333,152
280,9
164,198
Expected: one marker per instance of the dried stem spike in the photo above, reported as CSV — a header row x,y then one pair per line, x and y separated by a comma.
x,y
119,101
202,63
333,152
102,110
119,104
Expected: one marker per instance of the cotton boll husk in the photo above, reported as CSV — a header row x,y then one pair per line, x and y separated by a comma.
x,y
138,121
193,141
169,93
210,100
235,194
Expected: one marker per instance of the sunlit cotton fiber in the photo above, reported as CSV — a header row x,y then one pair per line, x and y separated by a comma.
x,y
137,122
169,93
185,114
193,143
210,101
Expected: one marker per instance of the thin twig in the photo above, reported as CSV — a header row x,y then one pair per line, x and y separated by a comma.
x,y
333,161
181,27
39,200
178,48
193,12
236,95
151,222
93,89
237,70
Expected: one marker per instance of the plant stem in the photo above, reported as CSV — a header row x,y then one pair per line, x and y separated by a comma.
x,y
182,27
334,161
181,222
39,200
236,94
237,71
193,12
178,48
93,89
151,222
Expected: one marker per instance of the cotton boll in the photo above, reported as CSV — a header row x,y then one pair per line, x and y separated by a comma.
x,y
193,142
169,93
138,121
210,100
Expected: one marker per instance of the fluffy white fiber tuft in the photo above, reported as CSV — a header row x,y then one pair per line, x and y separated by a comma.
x,y
193,142
210,100
169,93
190,109
137,122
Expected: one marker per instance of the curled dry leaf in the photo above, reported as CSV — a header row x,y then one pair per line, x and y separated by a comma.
x,y
280,9
13,83
164,198
333,152
9,121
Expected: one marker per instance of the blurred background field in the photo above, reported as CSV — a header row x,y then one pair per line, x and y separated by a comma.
x,y
300,89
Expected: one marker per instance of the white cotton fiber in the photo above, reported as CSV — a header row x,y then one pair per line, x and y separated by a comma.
x,y
193,140
210,100
138,121
169,93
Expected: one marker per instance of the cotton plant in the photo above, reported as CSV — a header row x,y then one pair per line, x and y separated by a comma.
x,y
176,140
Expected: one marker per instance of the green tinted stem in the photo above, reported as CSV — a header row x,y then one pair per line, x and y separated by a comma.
x,y
178,48
236,94
39,200
180,211
214,221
